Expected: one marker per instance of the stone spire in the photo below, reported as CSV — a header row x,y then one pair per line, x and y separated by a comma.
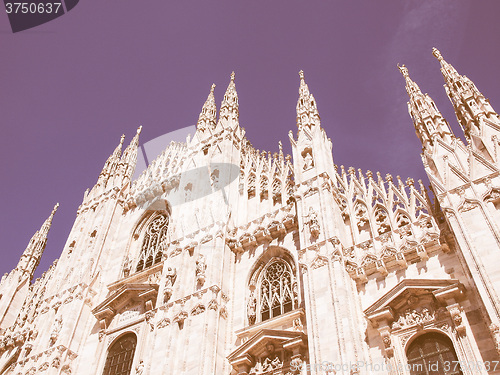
x,y
471,107
229,109
208,115
307,112
129,157
427,119
31,256
111,164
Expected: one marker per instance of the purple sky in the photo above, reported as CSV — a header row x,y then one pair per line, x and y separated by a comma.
x,y
70,88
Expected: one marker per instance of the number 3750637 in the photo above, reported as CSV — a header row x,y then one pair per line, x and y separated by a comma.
x,y
32,8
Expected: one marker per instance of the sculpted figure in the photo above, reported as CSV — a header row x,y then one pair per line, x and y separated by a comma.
x,y
308,161
201,267
276,363
267,365
127,267
170,275
312,220
57,328
251,308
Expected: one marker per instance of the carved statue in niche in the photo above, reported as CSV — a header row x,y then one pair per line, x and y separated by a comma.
x,y
170,277
127,266
308,160
312,220
214,178
251,308
201,268
295,291
297,325
55,331
188,191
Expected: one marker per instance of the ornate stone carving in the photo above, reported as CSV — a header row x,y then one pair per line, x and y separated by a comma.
x,y
495,332
149,316
312,221
201,268
308,160
456,316
58,322
198,310
163,323
56,362
251,308
412,317
170,277
127,266
139,368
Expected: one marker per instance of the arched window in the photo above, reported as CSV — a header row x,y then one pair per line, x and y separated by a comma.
x,y
432,353
276,290
151,245
121,356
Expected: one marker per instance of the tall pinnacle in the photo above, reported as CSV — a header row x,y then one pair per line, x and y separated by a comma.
x,y
208,115
427,119
129,157
229,109
448,71
307,112
111,163
33,252
44,230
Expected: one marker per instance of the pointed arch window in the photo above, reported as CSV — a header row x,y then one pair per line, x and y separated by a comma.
x,y
151,250
430,352
276,290
121,355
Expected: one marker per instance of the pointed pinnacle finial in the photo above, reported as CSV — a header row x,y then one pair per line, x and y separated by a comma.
x,y
56,206
301,75
437,54
122,139
404,70
212,88
232,76
139,129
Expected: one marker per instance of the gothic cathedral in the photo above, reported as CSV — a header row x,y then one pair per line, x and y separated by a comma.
x,y
220,259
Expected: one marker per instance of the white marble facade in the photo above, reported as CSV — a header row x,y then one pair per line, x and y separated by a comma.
x,y
223,259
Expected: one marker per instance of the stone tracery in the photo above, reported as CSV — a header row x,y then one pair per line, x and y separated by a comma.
x,y
156,233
